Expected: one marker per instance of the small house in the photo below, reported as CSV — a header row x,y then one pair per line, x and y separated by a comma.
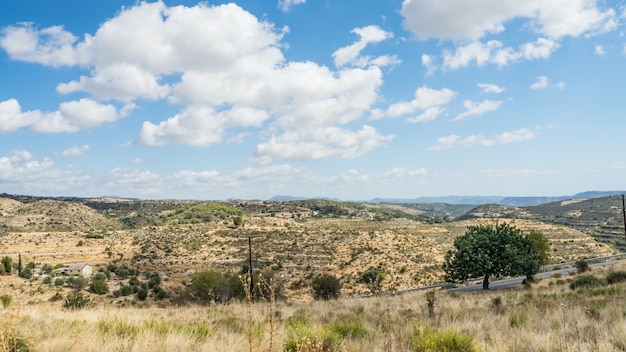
x,y
76,269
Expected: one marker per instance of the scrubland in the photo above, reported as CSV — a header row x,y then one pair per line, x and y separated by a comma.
x,y
546,316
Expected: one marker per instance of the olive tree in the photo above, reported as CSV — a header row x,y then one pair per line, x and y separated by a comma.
x,y
490,251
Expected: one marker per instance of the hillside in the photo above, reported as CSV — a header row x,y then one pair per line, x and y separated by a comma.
x,y
600,218
295,240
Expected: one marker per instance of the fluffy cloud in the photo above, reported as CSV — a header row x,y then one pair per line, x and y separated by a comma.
x,y
71,117
491,88
455,141
350,54
476,109
427,100
286,5
494,52
543,82
75,151
222,64
469,20
318,143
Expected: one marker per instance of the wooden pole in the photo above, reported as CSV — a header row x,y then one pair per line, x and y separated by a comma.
x,y
624,212
250,266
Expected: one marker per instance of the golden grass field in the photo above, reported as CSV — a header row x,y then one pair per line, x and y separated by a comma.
x,y
546,317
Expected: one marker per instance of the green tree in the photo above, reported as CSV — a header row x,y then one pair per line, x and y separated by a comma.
x,y
211,286
20,267
26,273
485,251
99,287
326,287
7,263
539,247
373,278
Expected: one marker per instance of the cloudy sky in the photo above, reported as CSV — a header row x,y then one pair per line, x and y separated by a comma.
x,y
318,98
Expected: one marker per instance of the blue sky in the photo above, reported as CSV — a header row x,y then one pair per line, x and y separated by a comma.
x,y
347,99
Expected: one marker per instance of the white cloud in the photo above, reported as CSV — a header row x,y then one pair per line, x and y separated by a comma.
x,y
401,172
75,151
286,5
494,52
491,88
477,109
12,118
471,20
71,116
543,82
599,50
351,54
455,141
429,101
427,61
317,143
223,65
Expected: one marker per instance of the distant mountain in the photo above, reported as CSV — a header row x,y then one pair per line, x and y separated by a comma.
x,y
510,201
472,200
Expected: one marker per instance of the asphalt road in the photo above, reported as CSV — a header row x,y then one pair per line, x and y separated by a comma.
x,y
517,281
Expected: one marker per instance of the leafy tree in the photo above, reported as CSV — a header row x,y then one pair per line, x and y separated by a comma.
x,y
99,287
326,287
7,263
373,278
485,251
539,247
76,300
208,286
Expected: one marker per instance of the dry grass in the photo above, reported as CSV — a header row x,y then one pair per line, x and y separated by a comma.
x,y
548,317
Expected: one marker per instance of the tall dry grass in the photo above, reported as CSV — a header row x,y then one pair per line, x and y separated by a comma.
x,y
547,318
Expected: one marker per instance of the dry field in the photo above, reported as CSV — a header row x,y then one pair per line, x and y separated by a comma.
x,y
546,317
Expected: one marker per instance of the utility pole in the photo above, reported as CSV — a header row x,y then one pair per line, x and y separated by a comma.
x,y
624,213
250,266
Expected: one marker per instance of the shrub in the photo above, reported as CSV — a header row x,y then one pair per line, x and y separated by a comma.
x,y
211,286
99,287
349,326
6,300
142,294
125,290
585,281
615,276
56,297
302,338
326,287
373,278
99,276
430,339
77,282
47,280
26,273
582,266
76,301
516,319
59,281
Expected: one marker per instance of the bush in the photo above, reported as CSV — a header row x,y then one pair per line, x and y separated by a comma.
x,y
326,287
76,301
99,287
582,266
430,339
59,281
26,273
56,297
373,278
99,276
614,277
47,280
302,338
125,290
6,300
585,281
211,286
142,294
